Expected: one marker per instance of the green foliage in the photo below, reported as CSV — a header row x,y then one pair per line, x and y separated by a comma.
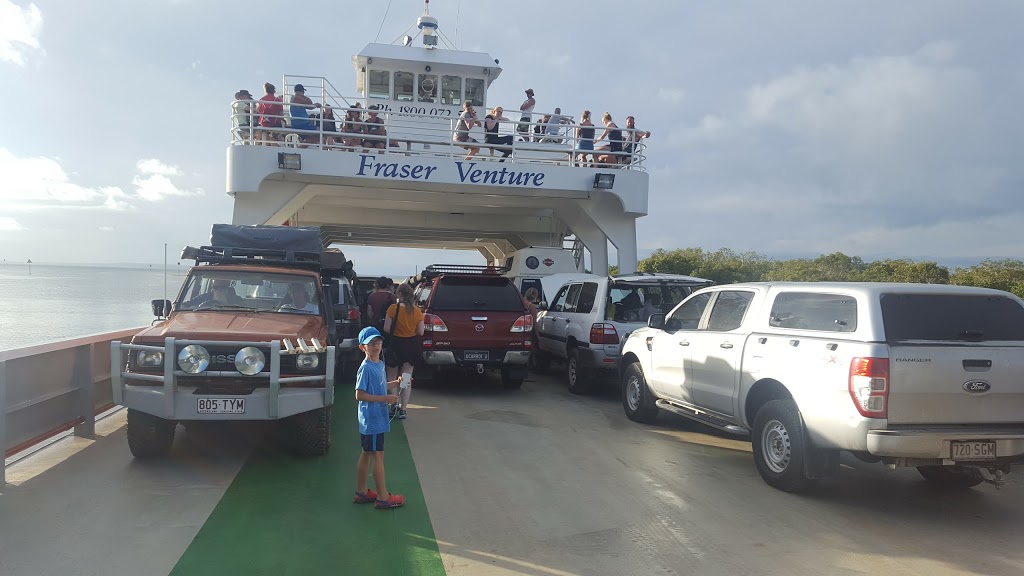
x,y
1005,275
725,266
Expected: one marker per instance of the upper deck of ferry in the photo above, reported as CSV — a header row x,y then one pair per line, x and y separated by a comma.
x,y
399,156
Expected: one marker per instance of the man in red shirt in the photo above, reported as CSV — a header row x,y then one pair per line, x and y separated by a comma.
x,y
379,301
271,113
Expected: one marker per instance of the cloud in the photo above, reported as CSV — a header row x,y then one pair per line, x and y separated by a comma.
x,y
154,166
671,95
106,228
153,182
901,153
41,183
19,31
8,224
561,59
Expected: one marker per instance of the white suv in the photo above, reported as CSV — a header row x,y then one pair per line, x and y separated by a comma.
x,y
590,316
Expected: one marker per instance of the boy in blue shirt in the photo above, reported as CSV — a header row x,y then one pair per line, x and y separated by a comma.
x,y
372,394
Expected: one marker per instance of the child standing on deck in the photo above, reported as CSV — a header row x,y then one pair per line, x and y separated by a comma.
x,y
373,397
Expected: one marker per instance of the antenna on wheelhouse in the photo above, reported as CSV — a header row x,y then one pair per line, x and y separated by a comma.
x,y
428,25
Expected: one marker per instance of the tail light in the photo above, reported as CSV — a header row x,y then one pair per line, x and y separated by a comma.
x,y
869,386
432,323
353,314
602,333
523,324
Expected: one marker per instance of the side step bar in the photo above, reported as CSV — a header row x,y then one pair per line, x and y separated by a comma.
x,y
703,417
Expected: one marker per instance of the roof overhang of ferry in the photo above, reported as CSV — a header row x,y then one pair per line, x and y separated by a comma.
x,y
434,202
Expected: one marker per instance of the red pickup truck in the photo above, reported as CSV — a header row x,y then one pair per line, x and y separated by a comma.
x,y
474,319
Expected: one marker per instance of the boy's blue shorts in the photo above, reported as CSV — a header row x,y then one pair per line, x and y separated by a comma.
x,y
372,442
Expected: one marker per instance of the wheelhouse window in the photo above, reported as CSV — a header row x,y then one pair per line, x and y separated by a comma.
x,y
380,84
403,86
427,88
475,91
451,90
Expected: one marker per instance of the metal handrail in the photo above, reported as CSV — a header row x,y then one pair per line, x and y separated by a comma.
x,y
431,130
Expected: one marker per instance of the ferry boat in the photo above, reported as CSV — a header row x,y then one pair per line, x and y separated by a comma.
x,y
390,169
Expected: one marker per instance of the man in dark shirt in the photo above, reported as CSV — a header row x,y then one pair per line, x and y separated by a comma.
x,y
377,303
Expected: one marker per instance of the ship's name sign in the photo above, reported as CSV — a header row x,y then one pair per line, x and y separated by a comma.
x,y
467,172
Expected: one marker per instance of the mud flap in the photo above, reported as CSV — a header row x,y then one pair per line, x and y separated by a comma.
x,y
517,373
821,464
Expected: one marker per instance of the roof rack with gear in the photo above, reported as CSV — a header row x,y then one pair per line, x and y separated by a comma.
x,y
251,256
435,270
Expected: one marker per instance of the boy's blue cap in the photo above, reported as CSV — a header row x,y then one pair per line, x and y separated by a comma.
x,y
366,335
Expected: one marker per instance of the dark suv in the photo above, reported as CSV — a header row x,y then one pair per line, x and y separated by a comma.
x,y
474,319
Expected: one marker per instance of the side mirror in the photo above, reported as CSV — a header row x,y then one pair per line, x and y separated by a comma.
x,y
161,308
542,305
656,321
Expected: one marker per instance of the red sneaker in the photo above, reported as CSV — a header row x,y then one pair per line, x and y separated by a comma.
x,y
365,497
393,501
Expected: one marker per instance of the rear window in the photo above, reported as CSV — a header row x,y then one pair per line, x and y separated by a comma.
x,y
812,311
497,295
947,317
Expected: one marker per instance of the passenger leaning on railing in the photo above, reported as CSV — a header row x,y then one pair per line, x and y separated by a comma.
x,y
467,120
241,114
613,151
585,139
271,112
633,138
527,115
299,111
352,127
491,123
375,127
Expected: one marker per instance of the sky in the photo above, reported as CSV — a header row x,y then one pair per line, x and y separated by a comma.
x,y
876,128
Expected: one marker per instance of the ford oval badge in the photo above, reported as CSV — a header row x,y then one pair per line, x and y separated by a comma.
x,y
977,386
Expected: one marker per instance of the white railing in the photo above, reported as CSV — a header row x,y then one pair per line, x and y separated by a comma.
x,y
49,389
431,133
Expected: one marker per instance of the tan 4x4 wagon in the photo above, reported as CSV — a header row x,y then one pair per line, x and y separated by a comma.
x,y
249,337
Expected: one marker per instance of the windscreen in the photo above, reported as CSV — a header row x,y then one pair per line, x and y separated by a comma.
x,y
497,294
214,288
635,302
947,317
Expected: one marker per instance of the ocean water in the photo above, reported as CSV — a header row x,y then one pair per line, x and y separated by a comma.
x,y
60,302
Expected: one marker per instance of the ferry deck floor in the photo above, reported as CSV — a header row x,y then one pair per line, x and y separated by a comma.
x,y
498,482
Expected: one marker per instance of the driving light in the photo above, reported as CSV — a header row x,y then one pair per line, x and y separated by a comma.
x,y
250,360
307,361
194,359
149,358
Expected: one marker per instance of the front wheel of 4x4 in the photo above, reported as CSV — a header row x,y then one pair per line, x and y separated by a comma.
x,y
576,376
780,445
149,436
637,399
309,433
